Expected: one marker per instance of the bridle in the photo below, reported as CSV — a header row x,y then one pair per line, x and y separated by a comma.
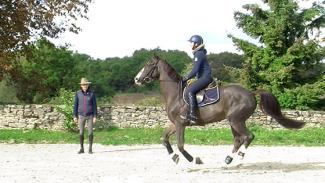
x,y
149,77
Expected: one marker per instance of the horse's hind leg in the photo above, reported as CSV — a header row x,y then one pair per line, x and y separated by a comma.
x,y
169,131
245,136
238,141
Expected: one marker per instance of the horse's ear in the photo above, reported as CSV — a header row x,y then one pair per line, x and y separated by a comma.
x,y
156,56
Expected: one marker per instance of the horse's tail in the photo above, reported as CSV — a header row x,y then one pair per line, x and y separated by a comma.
x,y
270,106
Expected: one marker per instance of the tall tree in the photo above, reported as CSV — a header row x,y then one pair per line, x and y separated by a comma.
x,y
47,69
22,21
219,63
288,52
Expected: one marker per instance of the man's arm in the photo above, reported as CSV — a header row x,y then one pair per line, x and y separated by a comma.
x,y
75,108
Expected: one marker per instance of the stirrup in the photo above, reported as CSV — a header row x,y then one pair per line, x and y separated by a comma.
x,y
193,120
183,116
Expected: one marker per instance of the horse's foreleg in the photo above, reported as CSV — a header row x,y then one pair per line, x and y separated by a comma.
x,y
167,133
180,129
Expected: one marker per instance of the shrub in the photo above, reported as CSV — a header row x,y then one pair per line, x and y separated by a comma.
x,y
64,104
304,97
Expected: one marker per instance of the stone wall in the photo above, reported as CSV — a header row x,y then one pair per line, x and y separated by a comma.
x,y
30,116
46,117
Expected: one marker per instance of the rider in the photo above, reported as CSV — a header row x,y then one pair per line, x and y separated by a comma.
x,y
201,69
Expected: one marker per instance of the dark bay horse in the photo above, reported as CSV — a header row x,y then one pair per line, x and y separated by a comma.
x,y
236,104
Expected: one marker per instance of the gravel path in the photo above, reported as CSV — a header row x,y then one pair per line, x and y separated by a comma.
x,y
150,163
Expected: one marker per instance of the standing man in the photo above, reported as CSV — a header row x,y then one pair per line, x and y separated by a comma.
x,y
85,109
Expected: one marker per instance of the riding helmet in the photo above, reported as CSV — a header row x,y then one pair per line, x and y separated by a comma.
x,y
196,39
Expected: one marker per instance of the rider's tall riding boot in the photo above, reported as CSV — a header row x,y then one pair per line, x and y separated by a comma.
x,y
81,138
193,116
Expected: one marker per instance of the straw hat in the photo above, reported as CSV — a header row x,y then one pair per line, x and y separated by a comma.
x,y
84,81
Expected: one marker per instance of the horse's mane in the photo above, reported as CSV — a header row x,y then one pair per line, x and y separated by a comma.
x,y
171,71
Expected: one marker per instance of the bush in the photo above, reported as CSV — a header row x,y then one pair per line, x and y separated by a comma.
x,y
64,104
304,97
8,93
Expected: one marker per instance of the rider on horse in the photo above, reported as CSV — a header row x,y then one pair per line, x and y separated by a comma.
x,y
201,69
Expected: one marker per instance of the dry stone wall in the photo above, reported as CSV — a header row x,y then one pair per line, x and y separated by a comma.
x,y
46,117
30,116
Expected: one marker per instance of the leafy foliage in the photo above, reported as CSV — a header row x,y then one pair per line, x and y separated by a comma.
x,y
47,69
23,21
305,97
121,71
39,77
221,64
289,52
64,104
7,93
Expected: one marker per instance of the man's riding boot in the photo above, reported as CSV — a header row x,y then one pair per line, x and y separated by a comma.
x,y
91,138
193,117
81,138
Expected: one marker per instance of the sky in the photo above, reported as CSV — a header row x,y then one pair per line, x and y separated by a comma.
x,y
117,28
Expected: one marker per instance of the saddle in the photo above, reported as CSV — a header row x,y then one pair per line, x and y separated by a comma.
x,y
206,96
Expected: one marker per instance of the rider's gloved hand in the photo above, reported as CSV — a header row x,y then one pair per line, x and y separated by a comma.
x,y
184,80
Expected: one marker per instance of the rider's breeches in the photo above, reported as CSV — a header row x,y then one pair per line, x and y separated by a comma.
x,y
199,85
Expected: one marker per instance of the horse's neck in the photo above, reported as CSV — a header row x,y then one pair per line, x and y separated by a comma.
x,y
170,92
167,72
169,84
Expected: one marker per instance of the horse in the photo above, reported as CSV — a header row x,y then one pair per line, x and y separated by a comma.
x,y
236,104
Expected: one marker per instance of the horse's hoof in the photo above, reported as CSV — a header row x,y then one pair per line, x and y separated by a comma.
x,y
241,155
228,160
175,158
198,161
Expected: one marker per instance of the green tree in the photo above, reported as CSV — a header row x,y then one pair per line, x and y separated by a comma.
x,y
289,51
44,72
219,63
99,73
23,21
123,70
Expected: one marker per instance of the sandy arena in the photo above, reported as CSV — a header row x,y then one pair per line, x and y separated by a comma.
x,y
45,163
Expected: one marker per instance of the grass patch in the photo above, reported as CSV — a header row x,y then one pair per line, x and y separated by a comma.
x,y
36,136
132,136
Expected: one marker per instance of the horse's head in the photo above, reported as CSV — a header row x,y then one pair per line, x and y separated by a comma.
x,y
149,72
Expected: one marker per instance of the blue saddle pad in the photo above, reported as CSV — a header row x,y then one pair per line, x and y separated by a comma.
x,y
210,96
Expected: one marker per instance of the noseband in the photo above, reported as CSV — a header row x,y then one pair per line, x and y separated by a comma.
x,y
149,77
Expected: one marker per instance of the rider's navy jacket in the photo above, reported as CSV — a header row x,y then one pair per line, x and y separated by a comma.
x,y
201,66
84,104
